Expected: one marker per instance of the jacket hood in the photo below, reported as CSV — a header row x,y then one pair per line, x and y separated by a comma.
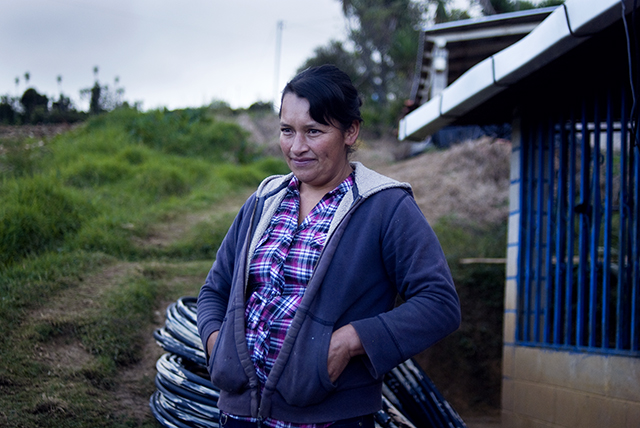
x,y
271,192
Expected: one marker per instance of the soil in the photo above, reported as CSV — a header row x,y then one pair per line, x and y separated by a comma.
x,y
10,132
470,180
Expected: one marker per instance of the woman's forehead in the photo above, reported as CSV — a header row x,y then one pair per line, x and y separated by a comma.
x,y
295,107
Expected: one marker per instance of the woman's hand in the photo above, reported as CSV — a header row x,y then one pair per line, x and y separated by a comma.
x,y
345,344
211,341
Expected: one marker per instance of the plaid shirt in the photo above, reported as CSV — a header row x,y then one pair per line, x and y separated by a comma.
x,y
280,269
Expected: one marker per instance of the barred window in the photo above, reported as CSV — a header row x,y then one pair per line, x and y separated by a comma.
x,y
578,276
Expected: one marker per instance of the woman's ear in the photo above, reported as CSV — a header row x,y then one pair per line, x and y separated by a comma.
x,y
351,134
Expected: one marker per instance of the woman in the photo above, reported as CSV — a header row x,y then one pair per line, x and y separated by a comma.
x,y
297,313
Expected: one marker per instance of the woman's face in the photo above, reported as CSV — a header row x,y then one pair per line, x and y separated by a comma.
x,y
315,153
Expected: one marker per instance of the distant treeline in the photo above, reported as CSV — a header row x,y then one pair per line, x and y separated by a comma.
x,y
33,108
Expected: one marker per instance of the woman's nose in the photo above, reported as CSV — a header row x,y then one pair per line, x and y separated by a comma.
x,y
299,144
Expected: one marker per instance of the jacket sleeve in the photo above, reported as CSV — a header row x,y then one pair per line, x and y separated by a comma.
x,y
214,294
415,262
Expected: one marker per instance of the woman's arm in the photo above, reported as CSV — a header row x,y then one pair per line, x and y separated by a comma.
x,y
416,264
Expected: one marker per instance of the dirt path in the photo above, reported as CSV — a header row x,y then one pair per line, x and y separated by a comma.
x,y
66,356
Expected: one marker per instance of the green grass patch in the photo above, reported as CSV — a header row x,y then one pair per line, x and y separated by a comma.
x,y
26,285
36,215
114,333
78,208
19,158
97,172
202,241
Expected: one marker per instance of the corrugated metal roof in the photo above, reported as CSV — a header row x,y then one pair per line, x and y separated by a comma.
x,y
564,29
520,17
468,42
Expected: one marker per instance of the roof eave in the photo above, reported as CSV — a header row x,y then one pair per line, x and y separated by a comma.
x,y
561,31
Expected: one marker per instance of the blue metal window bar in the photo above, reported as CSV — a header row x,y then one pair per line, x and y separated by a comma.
x,y
579,273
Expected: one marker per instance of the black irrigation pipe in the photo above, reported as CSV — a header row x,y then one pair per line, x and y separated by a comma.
x,y
185,398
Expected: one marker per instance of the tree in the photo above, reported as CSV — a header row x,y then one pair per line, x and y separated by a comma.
x,y
101,99
336,54
95,106
385,36
8,115
385,39
63,104
492,7
36,106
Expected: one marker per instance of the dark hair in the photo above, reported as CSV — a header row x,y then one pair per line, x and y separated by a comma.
x,y
333,100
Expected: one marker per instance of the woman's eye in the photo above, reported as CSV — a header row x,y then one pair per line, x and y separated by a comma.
x,y
285,130
314,131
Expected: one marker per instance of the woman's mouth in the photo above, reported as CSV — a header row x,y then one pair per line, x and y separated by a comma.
x,y
301,162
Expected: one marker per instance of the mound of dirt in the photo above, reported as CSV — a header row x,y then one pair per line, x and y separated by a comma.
x,y
469,181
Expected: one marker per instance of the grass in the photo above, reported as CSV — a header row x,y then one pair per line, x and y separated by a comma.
x,y
82,285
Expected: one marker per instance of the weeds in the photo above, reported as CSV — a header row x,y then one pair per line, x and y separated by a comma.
x,y
113,334
88,208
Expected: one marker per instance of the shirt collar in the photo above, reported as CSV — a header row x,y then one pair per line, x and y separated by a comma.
x,y
342,188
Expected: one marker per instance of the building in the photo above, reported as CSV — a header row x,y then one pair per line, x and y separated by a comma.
x,y
448,50
569,89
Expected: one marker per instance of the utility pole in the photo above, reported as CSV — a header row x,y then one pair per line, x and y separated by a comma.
x,y
276,78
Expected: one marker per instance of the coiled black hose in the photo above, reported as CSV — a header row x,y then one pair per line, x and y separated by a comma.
x,y
185,397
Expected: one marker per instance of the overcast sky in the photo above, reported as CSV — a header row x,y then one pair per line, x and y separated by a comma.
x,y
166,53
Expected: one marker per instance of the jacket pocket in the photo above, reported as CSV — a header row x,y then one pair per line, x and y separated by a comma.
x,y
225,368
305,379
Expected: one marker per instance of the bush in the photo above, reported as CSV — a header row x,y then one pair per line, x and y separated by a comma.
x,y
20,158
134,155
272,166
37,214
190,132
157,181
96,172
108,234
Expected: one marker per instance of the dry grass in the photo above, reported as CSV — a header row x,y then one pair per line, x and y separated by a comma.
x,y
469,181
